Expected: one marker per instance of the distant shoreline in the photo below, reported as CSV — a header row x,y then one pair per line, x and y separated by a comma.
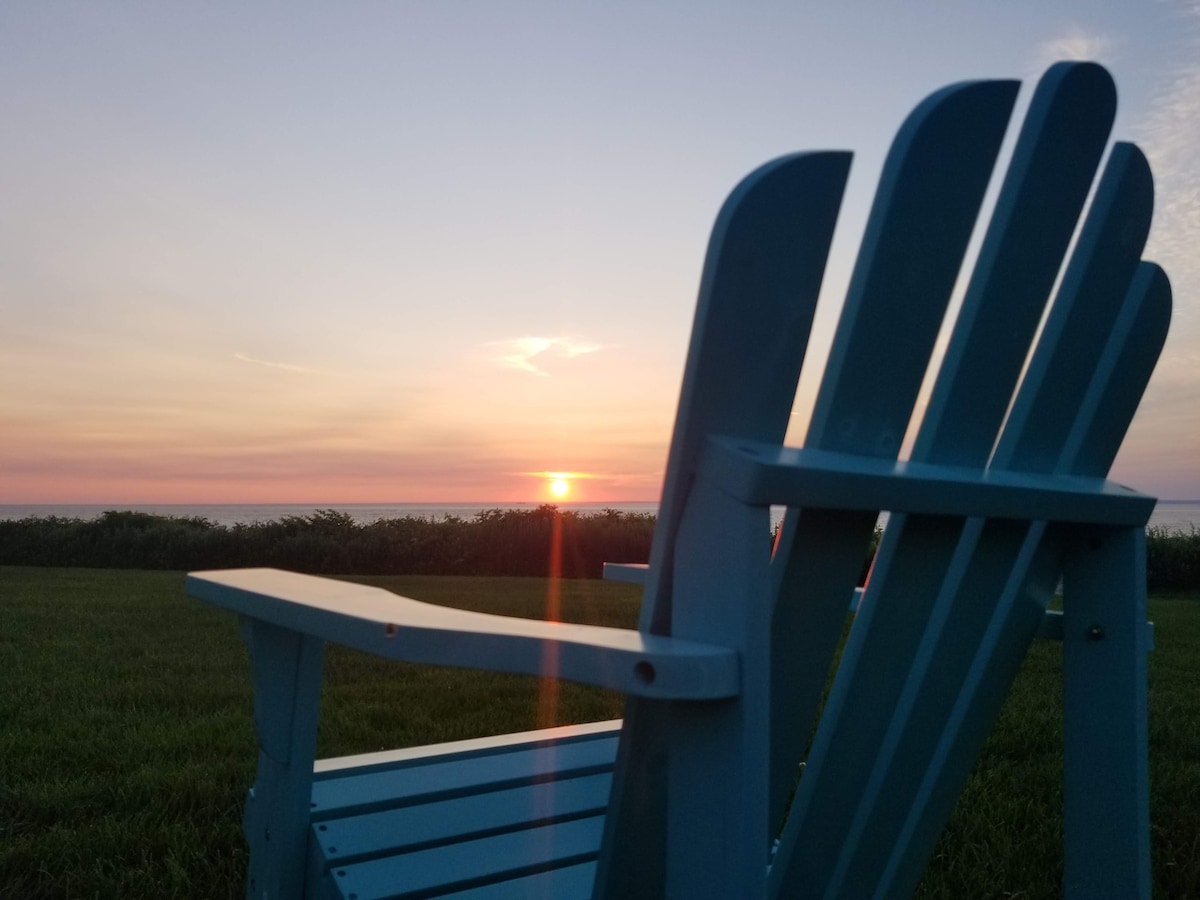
x,y
250,513
1170,514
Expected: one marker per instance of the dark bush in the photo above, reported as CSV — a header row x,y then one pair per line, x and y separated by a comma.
x,y
1173,559
537,542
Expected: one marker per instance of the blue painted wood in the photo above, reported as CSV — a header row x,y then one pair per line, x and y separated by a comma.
x,y
632,573
1130,355
762,474
1106,771
1052,629
758,294
462,751
914,622
471,863
286,668
731,841
717,835
1017,611
353,793
405,803
964,117
1052,168
929,195
1093,289
1106,787
568,881
424,823
983,687
388,625
819,555
1119,197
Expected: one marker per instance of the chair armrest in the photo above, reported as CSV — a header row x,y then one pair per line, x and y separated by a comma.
x,y
633,573
389,625
763,474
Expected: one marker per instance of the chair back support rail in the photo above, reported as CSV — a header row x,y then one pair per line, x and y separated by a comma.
x,y
766,752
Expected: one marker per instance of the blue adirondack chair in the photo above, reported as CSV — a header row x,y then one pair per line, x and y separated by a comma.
x,y
729,777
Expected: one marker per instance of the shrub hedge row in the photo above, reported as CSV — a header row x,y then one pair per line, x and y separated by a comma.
x,y
1173,559
495,542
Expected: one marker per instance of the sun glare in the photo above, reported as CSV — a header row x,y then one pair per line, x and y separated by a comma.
x,y
559,487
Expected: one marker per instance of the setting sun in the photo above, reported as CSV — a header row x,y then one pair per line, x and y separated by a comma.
x,y
560,484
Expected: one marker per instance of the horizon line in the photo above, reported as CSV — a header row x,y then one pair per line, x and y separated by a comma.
x,y
330,503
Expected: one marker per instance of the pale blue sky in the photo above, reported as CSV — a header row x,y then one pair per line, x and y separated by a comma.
x,y
427,251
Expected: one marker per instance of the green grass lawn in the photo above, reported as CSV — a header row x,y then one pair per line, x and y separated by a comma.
x,y
126,744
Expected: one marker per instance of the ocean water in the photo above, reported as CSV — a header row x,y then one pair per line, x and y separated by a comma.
x,y
249,513
1171,514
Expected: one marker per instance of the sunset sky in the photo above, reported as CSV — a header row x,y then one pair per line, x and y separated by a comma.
x,y
435,251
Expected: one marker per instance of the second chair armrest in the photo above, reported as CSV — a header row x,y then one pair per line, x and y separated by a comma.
x,y
632,573
397,627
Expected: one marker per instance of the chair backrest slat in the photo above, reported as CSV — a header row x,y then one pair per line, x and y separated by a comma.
x,y
1015,612
902,282
1093,288
758,294
1053,166
1136,342
929,196
939,587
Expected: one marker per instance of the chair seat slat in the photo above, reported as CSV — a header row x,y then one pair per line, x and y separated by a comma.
x,y
471,863
426,824
452,751
381,789
565,883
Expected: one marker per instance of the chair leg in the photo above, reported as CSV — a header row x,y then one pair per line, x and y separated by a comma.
x,y
286,667
1105,642
718,829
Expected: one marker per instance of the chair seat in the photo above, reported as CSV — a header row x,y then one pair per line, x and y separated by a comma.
x,y
513,816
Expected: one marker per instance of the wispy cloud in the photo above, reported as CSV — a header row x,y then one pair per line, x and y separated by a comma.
x,y
529,354
1165,443
1170,135
286,367
1075,44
